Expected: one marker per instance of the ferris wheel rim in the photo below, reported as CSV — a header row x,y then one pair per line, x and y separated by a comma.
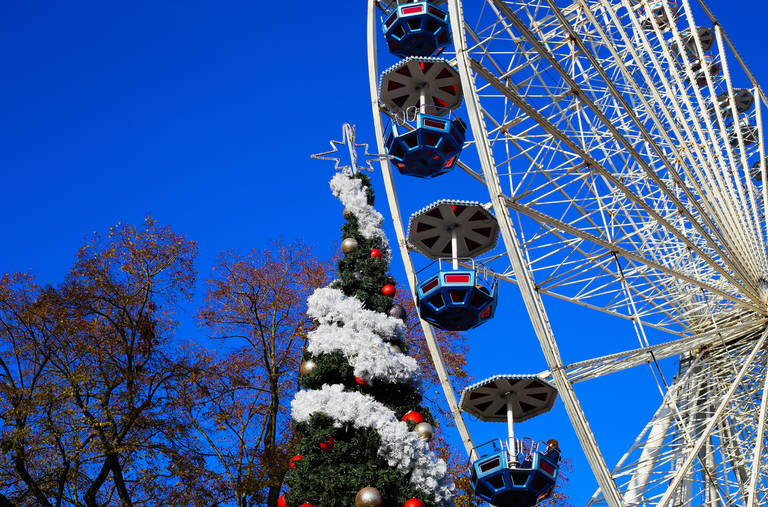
x,y
432,344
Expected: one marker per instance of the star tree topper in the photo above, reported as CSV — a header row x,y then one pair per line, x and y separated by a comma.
x,y
348,140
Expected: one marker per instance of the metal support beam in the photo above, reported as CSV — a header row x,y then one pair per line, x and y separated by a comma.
x,y
510,15
648,458
759,438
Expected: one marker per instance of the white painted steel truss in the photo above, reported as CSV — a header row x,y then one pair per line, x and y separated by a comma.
x,y
619,187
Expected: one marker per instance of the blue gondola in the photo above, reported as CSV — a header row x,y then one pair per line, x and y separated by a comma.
x,y
706,38
749,134
699,75
519,477
457,299
431,149
742,99
417,29
756,171
658,13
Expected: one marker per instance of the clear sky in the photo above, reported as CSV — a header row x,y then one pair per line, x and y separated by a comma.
x,y
204,114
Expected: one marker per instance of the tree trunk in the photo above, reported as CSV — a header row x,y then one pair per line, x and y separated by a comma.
x,y
270,437
90,494
117,474
274,493
62,484
21,469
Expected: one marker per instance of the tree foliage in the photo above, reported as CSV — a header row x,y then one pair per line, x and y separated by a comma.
x,y
84,370
235,405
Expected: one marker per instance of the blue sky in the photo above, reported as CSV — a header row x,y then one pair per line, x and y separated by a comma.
x,y
204,115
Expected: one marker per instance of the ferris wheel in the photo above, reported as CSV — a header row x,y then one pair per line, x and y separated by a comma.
x,y
621,145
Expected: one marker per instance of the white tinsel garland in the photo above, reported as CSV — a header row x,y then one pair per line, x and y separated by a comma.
x,y
351,193
332,306
399,447
347,327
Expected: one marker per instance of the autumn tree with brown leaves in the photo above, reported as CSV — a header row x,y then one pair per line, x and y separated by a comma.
x,y
238,403
84,370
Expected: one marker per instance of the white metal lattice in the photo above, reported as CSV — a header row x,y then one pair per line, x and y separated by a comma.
x,y
619,173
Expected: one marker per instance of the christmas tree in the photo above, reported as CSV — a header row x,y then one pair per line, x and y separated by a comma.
x,y
364,433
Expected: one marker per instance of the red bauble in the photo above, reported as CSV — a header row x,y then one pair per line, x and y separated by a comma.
x,y
361,381
414,502
388,290
281,501
413,417
292,461
328,444
375,253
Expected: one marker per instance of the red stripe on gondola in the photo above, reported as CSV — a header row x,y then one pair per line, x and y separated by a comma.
x,y
435,124
413,10
437,13
429,285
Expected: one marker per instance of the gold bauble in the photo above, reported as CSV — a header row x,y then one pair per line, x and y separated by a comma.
x,y
348,245
306,367
425,431
369,497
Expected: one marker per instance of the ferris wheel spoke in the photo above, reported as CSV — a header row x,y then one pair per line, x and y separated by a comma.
x,y
733,453
685,419
744,163
610,311
641,283
652,447
593,164
613,363
648,295
729,146
733,193
564,242
636,273
759,445
668,109
509,14
618,96
638,257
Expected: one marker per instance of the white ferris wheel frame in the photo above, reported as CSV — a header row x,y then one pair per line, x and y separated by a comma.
x,y
745,231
